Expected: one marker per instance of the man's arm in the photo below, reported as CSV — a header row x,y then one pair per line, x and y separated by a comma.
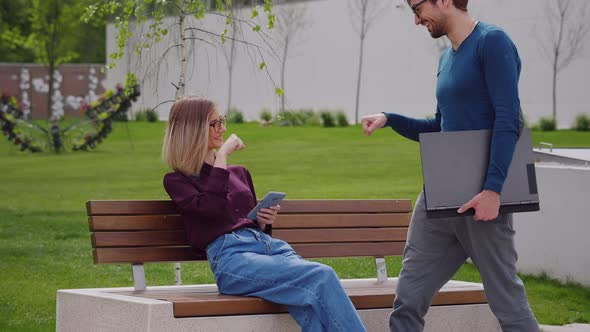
x,y
408,127
501,68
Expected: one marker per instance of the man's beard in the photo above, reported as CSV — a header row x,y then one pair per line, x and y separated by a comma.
x,y
437,34
438,28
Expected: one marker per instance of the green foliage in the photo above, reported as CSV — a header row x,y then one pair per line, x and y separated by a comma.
x,y
328,119
52,24
290,119
341,119
297,118
547,124
147,114
46,30
235,116
139,11
265,115
65,134
152,116
14,27
582,123
141,116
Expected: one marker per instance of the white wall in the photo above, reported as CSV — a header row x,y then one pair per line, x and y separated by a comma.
x,y
555,239
399,68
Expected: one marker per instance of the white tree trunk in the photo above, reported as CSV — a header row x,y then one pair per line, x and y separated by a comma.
x,y
283,67
183,58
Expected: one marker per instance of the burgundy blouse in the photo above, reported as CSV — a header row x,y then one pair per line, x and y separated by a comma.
x,y
213,203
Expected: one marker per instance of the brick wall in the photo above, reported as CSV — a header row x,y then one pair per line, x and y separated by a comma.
x,y
29,84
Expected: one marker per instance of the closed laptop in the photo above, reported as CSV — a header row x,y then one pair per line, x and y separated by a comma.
x,y
454,167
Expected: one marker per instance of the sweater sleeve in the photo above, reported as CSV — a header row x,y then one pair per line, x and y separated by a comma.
x,y
208,201
411,127
501,67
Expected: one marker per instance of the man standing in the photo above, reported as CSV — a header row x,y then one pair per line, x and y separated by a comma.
x,y
477,88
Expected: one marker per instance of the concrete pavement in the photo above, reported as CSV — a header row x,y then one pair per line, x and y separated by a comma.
x,y
566,328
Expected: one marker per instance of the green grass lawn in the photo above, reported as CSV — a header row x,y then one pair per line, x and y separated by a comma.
x,y
44,238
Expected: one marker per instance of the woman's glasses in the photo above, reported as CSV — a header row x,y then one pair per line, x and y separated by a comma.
x,y
216,124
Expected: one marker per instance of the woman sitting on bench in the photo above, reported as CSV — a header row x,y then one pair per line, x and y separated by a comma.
x,y
214,198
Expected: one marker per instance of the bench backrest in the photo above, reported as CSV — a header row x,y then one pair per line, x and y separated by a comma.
x,y
152,231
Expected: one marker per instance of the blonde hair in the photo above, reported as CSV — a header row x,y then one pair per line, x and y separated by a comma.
x,y
187,135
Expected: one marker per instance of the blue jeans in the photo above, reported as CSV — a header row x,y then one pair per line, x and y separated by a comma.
x,y
250,262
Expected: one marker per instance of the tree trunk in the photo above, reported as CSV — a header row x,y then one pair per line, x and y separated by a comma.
x,y
557,51
183,59
179,94
555,89
283,67
51,50
51,69
358,82
230,69
360,71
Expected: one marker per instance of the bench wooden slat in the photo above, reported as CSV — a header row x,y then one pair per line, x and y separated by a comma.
x,y
171,222
143,254
130,223
306,250
342,220
139,239
378,249
165,207
130,207
365,294
345,206
294,236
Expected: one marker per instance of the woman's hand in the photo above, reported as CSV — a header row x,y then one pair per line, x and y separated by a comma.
x,y
233,143
268,216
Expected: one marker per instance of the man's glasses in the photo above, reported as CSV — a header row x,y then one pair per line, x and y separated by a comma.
x,y
218,123
415,7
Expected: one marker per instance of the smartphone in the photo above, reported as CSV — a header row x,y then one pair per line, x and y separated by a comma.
x,y
272,198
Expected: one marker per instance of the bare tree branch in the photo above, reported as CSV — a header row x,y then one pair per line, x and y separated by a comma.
x,y
363,14
292,21
566,39
226,37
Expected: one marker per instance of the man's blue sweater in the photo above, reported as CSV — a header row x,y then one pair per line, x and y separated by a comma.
x,y
477,88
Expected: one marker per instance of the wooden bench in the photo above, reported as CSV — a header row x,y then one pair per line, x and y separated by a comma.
x,y
138,232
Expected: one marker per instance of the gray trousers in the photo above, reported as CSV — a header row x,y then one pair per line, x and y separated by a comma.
x,y
436,249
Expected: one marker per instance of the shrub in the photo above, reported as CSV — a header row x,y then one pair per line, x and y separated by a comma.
x,y
309,117
547,124
328,119
140,116
526,121
290,118
265,115
152,115
297,118
147,114
341,119
313,119
120,117
235,116
582,123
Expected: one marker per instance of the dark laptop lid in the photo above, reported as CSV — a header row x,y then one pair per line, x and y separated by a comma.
x,y
454,166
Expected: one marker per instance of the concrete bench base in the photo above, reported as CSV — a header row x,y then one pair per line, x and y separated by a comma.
x,y
103,309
